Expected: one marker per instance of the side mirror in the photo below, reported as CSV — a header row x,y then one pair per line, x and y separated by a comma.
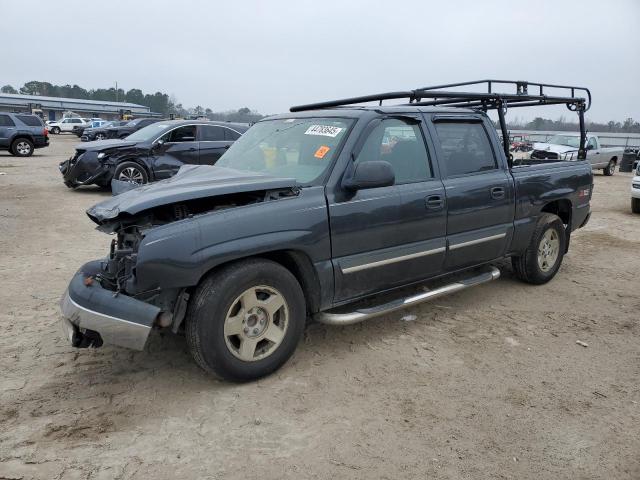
x,y
590,147
371,175
159,142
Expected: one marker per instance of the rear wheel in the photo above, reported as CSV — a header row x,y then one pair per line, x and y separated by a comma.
x,y
610,168
543,257
22,147
55,130
131,172
101,136
635,205
245,320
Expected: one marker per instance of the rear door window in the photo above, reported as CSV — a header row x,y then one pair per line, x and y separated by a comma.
x,y
466,148
231,135
6,121
30,120
211,133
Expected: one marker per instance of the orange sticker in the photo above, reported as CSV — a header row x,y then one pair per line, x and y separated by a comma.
x,y
321,152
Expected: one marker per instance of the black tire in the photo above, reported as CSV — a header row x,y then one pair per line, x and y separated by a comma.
x,y
22,147
635,205
213,299
527,266
55,130
131,171
610,168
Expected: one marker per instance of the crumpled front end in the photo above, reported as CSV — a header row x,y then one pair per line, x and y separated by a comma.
x,y
85,168
93,315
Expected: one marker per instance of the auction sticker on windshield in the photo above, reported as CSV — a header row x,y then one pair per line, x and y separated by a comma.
x,y
323,130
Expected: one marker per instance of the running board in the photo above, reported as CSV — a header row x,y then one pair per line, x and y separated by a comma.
x,y
366,313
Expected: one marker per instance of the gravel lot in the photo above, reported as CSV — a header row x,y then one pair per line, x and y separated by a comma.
x,y
487,383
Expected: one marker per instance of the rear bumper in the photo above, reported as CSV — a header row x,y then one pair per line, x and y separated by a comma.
x,y
92,315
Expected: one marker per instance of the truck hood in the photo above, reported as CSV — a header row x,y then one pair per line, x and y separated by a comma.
x,y
550,147
190,183
98,145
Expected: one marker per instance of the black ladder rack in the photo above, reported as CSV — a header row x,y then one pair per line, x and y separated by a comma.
x,y
526,94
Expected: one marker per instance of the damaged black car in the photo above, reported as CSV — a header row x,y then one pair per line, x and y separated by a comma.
x,y
153,153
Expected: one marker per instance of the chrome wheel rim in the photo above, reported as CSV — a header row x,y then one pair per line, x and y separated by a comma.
x,y
131,174
548,250
99,136
256,323
23,148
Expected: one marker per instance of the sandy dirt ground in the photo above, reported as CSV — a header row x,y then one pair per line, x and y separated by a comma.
x,y
487,383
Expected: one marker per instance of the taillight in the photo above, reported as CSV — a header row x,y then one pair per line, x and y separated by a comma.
x,y
46,132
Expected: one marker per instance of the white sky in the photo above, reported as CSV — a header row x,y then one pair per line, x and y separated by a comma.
x,y
271,55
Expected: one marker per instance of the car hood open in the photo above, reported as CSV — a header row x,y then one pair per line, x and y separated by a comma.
x,y
191,182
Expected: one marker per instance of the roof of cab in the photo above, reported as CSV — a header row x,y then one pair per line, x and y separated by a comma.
x,y
359,111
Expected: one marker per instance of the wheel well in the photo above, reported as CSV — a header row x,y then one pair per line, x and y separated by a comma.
x,y
561,208
300,266
21,136
615,160
137,162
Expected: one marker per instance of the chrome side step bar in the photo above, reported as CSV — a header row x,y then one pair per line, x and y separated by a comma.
x,y
366,313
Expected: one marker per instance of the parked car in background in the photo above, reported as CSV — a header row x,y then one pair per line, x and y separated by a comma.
x,y
67,125
93,123
131,126
22,133
565,147
100,132
152,153
635,191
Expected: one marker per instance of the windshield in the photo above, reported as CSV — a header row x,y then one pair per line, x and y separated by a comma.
x,y
150,132
566,140
300,148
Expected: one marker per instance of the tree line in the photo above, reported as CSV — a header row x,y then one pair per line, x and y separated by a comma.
x,y
158,102
539,123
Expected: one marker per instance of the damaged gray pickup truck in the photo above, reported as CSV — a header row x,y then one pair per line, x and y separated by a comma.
x,y
332,212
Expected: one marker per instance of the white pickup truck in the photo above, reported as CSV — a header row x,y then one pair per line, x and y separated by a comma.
x,y
565,147
67,124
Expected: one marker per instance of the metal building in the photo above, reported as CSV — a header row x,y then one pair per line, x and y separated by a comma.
x,y
53,107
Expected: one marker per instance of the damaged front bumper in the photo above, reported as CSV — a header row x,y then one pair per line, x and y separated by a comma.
x,y
84,170
92,314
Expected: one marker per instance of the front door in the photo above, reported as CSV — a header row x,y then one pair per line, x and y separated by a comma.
x,y
479,191
212,143
178,147
7,129
389,236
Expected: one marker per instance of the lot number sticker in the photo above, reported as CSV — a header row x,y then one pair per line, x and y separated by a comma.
x,y
323,130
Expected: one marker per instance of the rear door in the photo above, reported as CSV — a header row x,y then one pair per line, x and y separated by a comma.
x,y
7,129
212,143
479,190
389,236
180,147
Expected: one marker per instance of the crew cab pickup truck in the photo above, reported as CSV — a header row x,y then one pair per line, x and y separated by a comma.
x,y
565,146
309,214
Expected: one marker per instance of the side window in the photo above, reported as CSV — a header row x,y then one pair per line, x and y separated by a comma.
x,y
5,121
466,148
76,120
210,133
231,135
592,144
401,144
181,134
30,120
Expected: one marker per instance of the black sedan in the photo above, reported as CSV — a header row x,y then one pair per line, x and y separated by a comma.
x,y
154,152
90,134
120,131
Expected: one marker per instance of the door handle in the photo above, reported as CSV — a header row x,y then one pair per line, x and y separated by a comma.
x,y
497,193
192,149
434,202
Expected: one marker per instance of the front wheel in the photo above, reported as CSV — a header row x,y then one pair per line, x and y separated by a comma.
x,y
55,130
610,168
543,257
101,136
131,172
245,320
635,205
